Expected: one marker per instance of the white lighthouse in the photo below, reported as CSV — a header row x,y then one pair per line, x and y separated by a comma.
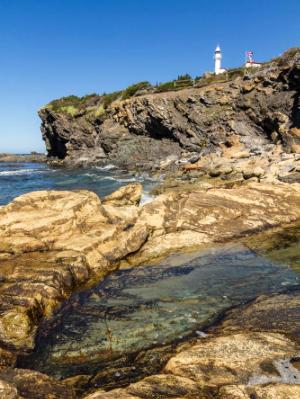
x,y
218,58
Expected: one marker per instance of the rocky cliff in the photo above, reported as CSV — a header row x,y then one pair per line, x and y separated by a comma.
x,y
259,106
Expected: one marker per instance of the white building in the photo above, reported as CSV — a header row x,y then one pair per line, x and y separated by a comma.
x,y
218,59
250,63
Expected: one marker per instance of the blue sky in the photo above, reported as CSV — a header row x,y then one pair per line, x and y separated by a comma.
x,y
51,49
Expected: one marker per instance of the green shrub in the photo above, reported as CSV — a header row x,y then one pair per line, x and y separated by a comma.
x,y
165,86
133,89
63,104
107,99
69,109
184,77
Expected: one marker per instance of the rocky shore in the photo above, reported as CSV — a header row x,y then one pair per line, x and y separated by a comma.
x,y
33,157
229,151
54,242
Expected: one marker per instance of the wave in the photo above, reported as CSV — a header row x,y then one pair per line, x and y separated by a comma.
x,y
20,172
106,167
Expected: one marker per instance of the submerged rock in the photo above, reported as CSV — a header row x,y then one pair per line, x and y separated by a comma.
x,y
110,331
227,364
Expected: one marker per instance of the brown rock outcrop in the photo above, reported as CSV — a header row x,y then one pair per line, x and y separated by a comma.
x,y
28,384
260,107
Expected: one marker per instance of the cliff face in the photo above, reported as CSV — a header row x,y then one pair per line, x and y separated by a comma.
x,y
260,106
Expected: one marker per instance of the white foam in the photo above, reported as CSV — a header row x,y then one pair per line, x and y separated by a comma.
x,y
146,198
106,167
19,172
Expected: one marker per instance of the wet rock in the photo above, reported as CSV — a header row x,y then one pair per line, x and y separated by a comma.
x,y
279,312
218,366
27,384
53,242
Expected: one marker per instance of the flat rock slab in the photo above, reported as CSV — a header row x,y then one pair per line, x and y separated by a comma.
x,y
280,313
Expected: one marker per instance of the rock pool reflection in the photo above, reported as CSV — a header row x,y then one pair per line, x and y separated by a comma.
x,y
140,308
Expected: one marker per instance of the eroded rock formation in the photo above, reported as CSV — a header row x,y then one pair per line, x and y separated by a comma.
x,y
54,242
260,107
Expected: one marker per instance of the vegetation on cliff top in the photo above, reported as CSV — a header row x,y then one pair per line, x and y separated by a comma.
x,y
96,104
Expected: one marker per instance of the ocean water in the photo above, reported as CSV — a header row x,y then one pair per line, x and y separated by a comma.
x,y
20,178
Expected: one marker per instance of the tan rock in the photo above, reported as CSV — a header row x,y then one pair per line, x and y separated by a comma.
x,y
50,243
115,394
295,132
231,359
186,220
127,195
295,148
278,312
219,367
241,155
247,87
272,391
28,384
8,391
157,386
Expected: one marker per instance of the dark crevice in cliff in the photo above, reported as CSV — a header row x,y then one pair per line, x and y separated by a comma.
x,y
58,147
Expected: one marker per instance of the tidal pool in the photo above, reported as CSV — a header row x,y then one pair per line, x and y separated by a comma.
x,y
151,306
282,246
